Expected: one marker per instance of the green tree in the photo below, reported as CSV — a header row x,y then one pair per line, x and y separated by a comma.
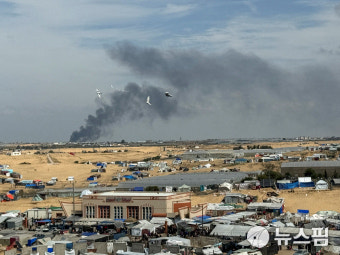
x,y
310,173
288,175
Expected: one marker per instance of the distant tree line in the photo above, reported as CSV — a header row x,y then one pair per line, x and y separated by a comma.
x,y
253,147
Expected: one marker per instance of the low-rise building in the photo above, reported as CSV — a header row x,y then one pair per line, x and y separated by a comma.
x,y
138,205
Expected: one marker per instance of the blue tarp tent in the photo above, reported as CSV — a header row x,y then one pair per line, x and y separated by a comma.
x,y
303,212
31,241
206,219
306,184
88,233
138,189
137,172
129,177
239,160
103,165
287,185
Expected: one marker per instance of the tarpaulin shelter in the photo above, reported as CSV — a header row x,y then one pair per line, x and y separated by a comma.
x,y
37,197
184,188
321,185
287,185
129,177
226,186
306,184
9,180
138,189
10,196
86,192
161,220
302,212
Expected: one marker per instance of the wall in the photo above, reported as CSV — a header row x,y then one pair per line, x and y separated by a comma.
x,y
301,170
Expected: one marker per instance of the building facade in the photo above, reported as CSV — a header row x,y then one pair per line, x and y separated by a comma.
x,y
137,205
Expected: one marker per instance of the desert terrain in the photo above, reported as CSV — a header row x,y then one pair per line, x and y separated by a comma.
x,y
64,162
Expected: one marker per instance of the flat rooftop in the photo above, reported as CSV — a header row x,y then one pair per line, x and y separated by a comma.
x,y
135,194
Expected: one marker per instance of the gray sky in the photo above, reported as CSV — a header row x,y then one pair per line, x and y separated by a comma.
x,y
235,69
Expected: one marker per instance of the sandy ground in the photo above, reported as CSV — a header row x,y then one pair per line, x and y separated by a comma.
x,y
38,166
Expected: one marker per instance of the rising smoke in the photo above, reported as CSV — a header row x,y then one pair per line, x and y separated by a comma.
x,y
244,87
127,104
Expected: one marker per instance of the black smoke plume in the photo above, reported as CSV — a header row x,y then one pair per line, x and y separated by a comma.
x,y
127,104
252,94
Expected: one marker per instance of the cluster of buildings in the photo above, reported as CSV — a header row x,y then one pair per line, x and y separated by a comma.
x,y
156,216
137,223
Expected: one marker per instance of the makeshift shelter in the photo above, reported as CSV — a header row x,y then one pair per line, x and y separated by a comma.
x,y
321,185
234,198
267,207
266,183
214,209
143,227
225,186
37,198
327,214
129,177
230,230
302,212
184,188
10,196
287,185
9,180
86,192
335,183
161,221
14,223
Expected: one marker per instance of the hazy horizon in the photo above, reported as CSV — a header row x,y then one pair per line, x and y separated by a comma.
x,y
234,68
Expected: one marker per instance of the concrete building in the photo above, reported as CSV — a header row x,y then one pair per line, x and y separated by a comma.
x,y
138,205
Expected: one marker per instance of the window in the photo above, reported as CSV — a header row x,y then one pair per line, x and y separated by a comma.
x,y
147,213
133,212
104,211
90,212
118,212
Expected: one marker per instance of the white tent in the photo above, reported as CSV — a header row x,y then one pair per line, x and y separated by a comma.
x,y
161,220
321,185
304,179
226,185
86,192
184,188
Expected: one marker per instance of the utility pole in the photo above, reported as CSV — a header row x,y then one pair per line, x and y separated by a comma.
x,y
202,220
73,203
